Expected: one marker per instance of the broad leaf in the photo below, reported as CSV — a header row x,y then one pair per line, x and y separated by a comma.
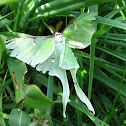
x,y
32,96
19,118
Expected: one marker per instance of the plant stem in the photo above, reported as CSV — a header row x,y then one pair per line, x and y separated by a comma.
x,y
93,8
50,92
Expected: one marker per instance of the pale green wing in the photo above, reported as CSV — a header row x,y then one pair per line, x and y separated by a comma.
x,y
32,50
79,33
52,65
67,59
80,93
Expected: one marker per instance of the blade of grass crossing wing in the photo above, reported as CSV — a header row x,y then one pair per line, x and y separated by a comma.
x,y
112,109
17,18
91,71
93,8
111,52
111,22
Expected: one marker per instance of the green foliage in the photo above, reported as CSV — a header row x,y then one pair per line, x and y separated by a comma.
x,y
2,2
53,54
30,93
104,65
18,117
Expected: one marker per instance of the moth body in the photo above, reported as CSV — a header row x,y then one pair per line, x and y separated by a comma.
x,y
58,37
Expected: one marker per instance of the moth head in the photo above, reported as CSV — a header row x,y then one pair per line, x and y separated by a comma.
x,y
58,37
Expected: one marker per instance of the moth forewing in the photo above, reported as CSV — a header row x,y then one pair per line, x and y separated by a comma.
x,y
80,31
45,49
32,50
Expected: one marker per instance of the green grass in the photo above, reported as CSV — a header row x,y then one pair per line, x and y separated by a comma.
x,y
102,65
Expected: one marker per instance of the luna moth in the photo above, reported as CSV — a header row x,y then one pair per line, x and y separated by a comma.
x,y
54,53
